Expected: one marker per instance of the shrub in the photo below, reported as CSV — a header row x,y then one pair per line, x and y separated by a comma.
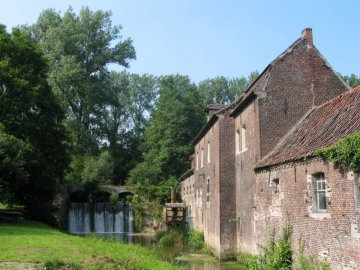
x,y
252,262
53,263
311,263
196,239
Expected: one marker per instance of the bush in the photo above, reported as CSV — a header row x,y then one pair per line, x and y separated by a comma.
x,y
196,239
53,263
277,256
252,262
311,263
171,238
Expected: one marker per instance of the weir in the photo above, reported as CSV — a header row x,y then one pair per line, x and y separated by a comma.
x,y
101,217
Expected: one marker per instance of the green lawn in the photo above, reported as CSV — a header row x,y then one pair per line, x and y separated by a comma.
x,y
39,243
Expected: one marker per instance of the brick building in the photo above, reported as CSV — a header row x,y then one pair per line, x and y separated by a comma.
x,y
254,164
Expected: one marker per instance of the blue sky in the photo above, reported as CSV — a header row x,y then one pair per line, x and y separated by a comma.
x,y
207,38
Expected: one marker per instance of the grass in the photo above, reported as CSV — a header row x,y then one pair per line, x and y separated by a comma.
x,y
38,243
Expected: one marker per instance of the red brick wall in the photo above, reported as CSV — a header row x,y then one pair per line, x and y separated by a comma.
x,y
206,215
323,235
299,80
227,187
245,184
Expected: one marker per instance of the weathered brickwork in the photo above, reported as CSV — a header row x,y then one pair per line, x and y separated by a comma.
x,y
330,234
247,121
299,79
204,199
236,206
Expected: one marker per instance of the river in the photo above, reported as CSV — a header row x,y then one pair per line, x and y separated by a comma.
x,y
181,256
116,221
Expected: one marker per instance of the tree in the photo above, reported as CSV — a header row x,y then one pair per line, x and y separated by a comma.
x,y
352,80
32,137
221,90
79,49
123,120
175,122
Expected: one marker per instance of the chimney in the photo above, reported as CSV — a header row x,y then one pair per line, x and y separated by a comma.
x,y
307,34
173,195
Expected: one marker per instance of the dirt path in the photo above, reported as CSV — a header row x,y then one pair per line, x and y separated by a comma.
x,y
18,266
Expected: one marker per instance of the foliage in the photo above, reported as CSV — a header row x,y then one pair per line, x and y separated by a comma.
x,y
33,138
91,170
143,208
122,122
196,239
177,119
352,80
345,153
138,208
79,49
74,251
276,256
221,90
252,262
53,263
181,236
311,263
114,198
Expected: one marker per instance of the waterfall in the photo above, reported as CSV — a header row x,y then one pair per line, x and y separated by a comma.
x,y
79,218
106,218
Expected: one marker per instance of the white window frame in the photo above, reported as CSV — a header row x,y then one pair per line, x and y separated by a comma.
x,y
202,157
243,138
197,160
319,192
237,141
208,153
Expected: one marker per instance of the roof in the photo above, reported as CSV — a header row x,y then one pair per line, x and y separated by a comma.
x,y
260,83
321,127
214,107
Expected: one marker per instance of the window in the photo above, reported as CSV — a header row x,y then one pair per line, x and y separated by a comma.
x,y
355,177
319,198
237,141
243,138
208,190
208,153
197,160
275,185
202,157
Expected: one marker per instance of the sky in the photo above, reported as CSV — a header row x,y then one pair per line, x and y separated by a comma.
x,y
208,38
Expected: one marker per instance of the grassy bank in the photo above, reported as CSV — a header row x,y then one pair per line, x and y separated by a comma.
x,y
39,243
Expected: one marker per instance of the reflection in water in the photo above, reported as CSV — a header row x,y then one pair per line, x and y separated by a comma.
x,y
192,261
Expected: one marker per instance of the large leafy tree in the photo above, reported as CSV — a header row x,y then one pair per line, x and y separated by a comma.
x,y
222,90
79,49
352,80
177,119
33,152
124,119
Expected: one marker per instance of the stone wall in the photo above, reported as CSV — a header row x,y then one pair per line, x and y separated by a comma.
x,y
332,234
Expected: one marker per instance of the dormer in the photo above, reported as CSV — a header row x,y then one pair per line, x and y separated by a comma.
x,y
213,108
